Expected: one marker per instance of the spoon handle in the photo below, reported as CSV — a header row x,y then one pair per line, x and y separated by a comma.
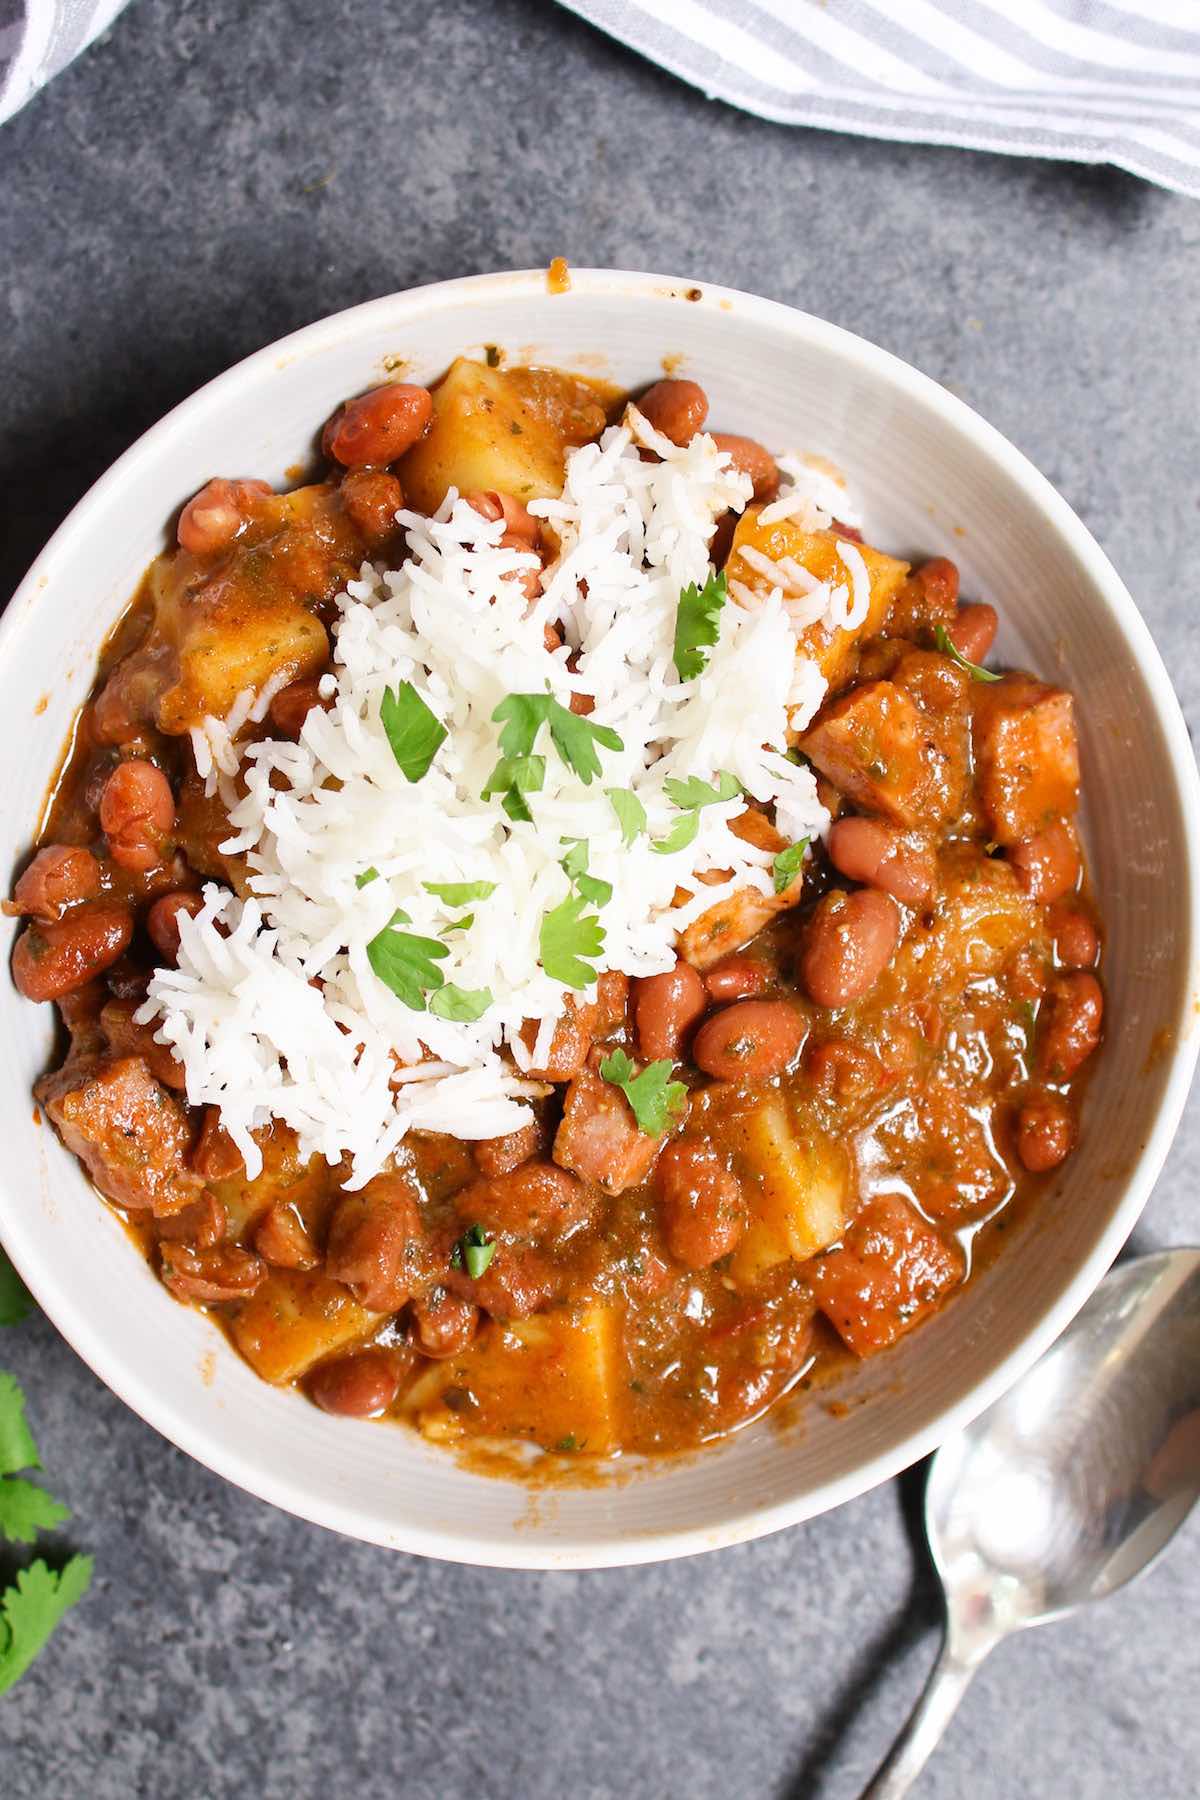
x,y
933,1712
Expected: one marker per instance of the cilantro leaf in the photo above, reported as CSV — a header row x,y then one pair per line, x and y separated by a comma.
x,y
787,865
575,863
406,963
681,834
464,1005
945,644
17,1448
693,792
573,736
414,732
631,814
459,893
473,1252
567,937
463,922
16,1302
26,1509
656,1100
514,777
32,1607
367,876
698,625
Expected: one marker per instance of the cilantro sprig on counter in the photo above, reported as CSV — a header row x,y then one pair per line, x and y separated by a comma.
x,y
31,1608
656,1100
698,625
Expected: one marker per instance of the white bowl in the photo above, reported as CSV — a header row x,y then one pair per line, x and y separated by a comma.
x,y
932,478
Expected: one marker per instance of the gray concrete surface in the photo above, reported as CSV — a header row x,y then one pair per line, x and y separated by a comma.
x,y
207,177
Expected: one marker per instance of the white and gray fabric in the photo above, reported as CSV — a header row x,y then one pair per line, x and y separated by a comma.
x,y
1090,81
40,37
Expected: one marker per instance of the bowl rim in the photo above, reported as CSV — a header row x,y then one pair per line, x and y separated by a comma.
x,y
746,1520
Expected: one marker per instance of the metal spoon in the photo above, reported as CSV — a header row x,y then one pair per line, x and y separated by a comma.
x,y
1067,1487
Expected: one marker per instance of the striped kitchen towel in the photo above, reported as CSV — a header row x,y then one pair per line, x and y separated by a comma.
x,y
40,37
1089,81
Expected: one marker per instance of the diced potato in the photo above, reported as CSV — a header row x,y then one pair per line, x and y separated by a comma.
x,y
980,918
294,1320
501,430
547,1380
1026,756
795,1180
816,551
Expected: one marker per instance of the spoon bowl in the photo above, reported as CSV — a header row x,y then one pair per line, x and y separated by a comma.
x,y
1068,1486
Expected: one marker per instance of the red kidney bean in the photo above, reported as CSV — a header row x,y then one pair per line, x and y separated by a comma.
x,y
738,977
749,1041
529,579
224,1272
750,458
162,920
218,514
379,426
1069,1025
1047,863
844,1071
137,810
1045,1132
372,498
703,1210
54,959
282,1238
292,705
59,876
1076,940
848,944
939,580
883,856
664,1009
973,630
519,522
442,1324
676,408
216,1157
359,1386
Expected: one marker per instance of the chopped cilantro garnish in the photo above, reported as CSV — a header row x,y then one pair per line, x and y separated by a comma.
x,y
367,876
698,625
787,865
569,941
656,1100
32,1607
692,793
414,732
575,863
15,1300
459,893
568,1443
945,644
681,834
406,963
473,1251
463,1005
514,777
463,922
574,737
631,814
